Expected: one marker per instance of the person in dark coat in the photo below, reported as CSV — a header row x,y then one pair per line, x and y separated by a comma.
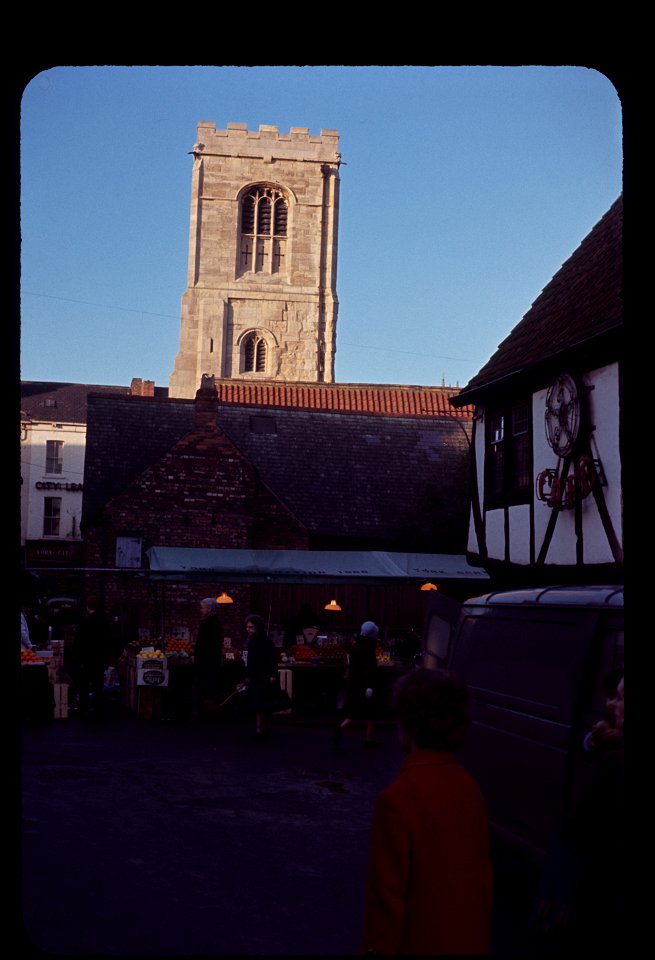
x,y
208,657
90,656
429,889
361,684
262,678
580,908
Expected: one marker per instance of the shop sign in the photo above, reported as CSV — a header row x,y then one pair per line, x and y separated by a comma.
x,y
53,551
57,485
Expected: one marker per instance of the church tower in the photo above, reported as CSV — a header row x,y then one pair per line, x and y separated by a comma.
x,y
261,299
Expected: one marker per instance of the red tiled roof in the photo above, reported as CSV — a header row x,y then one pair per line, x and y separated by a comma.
x,y
379,399
67,401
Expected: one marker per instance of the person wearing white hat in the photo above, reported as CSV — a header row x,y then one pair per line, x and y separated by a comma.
x,y
361,686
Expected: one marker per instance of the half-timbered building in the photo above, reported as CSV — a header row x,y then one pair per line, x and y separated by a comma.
x,y
546,468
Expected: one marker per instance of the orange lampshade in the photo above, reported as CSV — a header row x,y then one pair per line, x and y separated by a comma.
x,y
223,598
332,605
429,586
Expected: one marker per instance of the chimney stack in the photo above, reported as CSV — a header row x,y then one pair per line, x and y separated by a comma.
x,y
206,403
142,388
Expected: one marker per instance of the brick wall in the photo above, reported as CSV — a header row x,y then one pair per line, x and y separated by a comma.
x,y
202,493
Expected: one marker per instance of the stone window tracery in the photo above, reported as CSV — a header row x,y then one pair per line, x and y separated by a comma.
x,y
254,353
263,230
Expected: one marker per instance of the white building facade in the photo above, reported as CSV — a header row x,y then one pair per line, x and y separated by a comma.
x,y
52,453
52,470
548,434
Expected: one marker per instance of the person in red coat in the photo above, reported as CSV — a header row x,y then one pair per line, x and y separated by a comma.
x,y
429,888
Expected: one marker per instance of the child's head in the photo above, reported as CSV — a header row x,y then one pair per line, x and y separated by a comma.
x,y
432,710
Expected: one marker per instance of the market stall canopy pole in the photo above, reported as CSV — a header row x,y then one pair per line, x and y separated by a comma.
x,y
307,566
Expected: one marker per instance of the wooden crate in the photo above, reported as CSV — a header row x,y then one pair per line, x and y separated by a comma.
x,y
149,703
61,692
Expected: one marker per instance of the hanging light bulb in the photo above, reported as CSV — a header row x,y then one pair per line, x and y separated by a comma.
x,y
223,598
332,605
429,586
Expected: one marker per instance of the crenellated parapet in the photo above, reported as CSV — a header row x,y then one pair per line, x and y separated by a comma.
x,y
238,141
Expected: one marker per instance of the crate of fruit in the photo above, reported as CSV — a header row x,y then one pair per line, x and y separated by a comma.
x,y
30,658
178,649
151,669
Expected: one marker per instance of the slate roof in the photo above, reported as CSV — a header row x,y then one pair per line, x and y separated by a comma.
x,y
581,303
66,402
340,474
57,402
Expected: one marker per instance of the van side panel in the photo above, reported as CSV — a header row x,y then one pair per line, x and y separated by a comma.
x,y
523,667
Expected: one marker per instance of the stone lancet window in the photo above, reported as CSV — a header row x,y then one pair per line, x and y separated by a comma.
x,y
263,230
254,354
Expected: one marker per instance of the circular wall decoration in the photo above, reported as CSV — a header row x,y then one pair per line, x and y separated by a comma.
x,y
562,417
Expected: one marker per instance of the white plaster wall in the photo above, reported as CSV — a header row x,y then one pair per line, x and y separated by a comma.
x,y
495,524
472,542
26,478
519,533
33,463
604,407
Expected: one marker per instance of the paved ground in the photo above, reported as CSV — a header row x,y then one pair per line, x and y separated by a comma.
x,y
166,838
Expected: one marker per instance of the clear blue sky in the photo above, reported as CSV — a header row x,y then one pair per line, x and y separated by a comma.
x,y
463,191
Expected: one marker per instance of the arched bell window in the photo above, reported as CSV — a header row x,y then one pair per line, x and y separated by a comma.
x,y
254,352
263,230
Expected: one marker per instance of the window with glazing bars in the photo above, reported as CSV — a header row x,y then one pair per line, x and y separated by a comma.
x,y
54,456
51,516
508,460
263,234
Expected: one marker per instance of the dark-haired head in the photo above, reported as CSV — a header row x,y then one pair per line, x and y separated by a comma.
x,y
257,622
432,710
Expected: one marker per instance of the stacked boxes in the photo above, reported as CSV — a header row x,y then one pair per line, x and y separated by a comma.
x,y
151,672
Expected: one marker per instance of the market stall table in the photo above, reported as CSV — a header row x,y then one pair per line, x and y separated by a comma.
x,y
37,692
177,697
316,687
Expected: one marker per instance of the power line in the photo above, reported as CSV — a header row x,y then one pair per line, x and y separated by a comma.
x,y
168,316
412,353
102,306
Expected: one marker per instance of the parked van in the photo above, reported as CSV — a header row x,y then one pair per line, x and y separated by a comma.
x,y
534,661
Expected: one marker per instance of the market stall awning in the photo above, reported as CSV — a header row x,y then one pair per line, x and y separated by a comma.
x,y
307,566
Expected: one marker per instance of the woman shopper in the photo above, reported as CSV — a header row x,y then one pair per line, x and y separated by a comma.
x,y
261,673
361,684
208,659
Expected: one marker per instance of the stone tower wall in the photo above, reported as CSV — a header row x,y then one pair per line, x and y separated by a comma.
x,y
295,310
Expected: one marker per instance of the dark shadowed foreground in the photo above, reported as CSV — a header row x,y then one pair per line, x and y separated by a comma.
x,y
166,838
